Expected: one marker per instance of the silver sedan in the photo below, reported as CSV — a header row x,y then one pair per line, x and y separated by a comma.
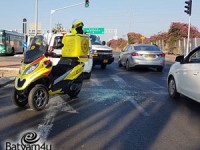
x,y
142,55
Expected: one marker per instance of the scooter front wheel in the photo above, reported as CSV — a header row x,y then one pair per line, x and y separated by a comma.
x,y
19,100
38,97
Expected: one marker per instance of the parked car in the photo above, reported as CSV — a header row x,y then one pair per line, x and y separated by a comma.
x,y
56,45
102,54
184,76
142,55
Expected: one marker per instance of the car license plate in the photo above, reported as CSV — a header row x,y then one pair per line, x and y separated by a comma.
x,y
150,56
105,61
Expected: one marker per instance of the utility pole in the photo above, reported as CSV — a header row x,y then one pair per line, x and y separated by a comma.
x,y
36,17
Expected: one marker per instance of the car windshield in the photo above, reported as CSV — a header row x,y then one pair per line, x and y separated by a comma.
x,y
146,48
95,40
58,42
36,49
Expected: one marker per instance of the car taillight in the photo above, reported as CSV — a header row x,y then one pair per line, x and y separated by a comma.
x,y
51,48
134,54
162,55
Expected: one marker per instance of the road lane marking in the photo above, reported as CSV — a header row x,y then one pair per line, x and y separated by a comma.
x,y
140,108
60,105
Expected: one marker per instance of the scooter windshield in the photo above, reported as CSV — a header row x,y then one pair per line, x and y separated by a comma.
x,y
31,55
36,49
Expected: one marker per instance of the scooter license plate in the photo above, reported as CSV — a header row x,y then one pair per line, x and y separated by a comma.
x,y
105,61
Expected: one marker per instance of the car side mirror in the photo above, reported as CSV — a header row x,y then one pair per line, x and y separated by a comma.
x,y
103,42
180,58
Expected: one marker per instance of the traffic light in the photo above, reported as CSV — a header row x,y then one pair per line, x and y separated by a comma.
x,y
188,7
86,3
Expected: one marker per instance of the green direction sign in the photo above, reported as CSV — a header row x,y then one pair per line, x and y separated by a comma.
x,y
94,30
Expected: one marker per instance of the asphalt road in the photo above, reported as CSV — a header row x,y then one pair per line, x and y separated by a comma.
x,y
115,110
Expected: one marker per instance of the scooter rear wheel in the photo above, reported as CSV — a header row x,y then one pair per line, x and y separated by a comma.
x,y
19,100
38,97
74,93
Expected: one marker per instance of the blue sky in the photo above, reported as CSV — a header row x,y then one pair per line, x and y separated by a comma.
x,y
147,17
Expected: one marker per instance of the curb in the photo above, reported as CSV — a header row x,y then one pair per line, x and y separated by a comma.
x,y
9,69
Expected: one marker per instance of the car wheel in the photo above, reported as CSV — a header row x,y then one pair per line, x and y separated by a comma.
x,y
38,97
12,52
103,66
127,66
172,88
119,63
87,75
75,91
160,69
19,100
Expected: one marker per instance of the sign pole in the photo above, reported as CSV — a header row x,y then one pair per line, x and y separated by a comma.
x,y
36,17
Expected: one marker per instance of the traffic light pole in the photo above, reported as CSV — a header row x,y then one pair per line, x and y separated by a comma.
x,y
54,10
188,38
189,12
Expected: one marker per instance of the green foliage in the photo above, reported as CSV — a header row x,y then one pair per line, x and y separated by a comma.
x,y
58,28
165,40
134,38
160,36
178,31
137,38
117,44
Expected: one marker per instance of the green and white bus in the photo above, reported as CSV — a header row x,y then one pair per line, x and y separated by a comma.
x,y
11,42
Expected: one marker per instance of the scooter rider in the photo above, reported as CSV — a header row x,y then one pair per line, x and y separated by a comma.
x,y
77,27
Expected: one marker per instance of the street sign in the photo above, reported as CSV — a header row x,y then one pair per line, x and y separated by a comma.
x,y
94,30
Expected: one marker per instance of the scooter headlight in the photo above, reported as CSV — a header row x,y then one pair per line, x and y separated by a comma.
x,y
30,69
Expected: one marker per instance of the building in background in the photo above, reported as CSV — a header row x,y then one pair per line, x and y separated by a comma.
x,y
31,29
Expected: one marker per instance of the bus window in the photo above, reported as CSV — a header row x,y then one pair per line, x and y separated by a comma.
x,y
7,39
2,40
11,42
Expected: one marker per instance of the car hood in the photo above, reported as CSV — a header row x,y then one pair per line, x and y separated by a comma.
x,y
101,47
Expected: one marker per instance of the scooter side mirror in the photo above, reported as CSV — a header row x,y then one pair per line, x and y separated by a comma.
x,y
47,63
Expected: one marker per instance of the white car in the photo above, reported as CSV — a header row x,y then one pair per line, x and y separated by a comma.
x,y
184,76
55,43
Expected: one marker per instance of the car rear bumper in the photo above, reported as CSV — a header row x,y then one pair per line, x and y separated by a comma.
x,y
99,61
150,63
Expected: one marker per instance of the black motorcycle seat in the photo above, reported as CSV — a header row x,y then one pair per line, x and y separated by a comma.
x,y
64,65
